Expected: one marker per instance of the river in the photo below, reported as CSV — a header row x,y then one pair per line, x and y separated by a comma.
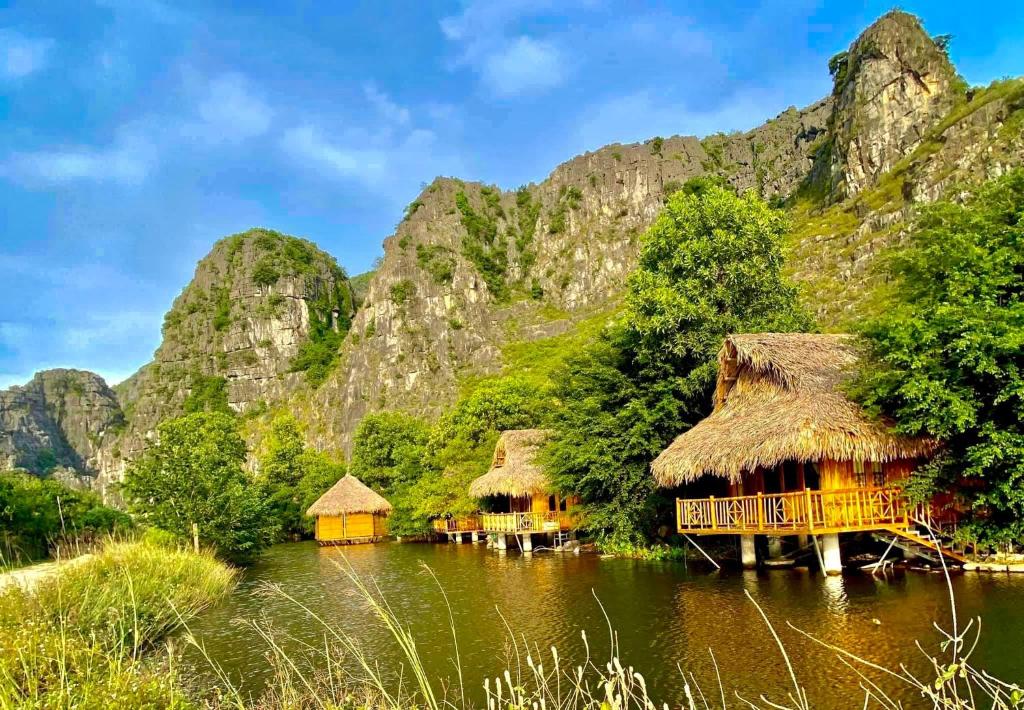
x,y
664,614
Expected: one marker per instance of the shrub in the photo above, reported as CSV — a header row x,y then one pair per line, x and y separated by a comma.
x,y
265,273
402,291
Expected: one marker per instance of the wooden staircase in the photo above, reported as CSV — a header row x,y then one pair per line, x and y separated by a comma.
x,y
924,544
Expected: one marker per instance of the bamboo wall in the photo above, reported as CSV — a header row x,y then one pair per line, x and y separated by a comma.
x,y
354,526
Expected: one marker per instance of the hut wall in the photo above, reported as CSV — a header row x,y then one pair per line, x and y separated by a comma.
x,y
330,527
359,525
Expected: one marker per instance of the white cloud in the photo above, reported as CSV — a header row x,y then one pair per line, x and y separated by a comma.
x,y
523,66
230,111
308,143
127,160
388,109
509,63
21,56
644,114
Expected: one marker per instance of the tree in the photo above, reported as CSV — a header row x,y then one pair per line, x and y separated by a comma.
x,y
946,359
294,476
192,475
710,265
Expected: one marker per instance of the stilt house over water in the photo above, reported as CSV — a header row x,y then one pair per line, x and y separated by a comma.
x,y
789,453
518,494
350,512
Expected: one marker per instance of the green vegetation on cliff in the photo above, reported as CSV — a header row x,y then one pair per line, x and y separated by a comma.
x,y
948,352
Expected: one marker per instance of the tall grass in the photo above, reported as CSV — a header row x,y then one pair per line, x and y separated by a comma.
x,y
78,638
345,676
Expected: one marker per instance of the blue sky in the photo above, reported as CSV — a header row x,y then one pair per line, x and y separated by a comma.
x,y
135,133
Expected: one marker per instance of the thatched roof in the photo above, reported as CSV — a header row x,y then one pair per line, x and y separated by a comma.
x,y
778,398
514,470
349,495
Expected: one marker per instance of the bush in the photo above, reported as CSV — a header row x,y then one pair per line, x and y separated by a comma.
x,y
36,514
265,273
402,291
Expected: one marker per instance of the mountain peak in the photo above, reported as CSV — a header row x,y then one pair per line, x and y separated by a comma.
x,y
890,87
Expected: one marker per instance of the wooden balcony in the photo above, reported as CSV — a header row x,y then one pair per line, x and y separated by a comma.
x,y
527,522
468,523
805,512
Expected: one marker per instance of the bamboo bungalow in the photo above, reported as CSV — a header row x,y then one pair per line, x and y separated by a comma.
x,y
796,455
521,499
350,513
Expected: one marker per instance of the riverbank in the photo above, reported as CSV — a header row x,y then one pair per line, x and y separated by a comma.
x,y
84,637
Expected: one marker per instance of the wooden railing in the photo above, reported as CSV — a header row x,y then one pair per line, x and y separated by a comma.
x,y
527,522
468,523
795,513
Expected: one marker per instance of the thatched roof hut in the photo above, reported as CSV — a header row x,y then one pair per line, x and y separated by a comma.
x,y
779,398
514,469
349,496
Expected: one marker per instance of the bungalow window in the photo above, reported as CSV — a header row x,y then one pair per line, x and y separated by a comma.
x,y
878,474
860,474
552,504
562,505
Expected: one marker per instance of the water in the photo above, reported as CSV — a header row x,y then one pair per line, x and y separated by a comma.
x,y
664,614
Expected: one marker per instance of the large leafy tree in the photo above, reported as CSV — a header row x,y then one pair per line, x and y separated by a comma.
x,y
192,474
948,352
710,265
294,475
388,455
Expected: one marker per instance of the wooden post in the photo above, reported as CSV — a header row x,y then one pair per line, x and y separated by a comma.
x,y
808,512
760,510
195,537
714,514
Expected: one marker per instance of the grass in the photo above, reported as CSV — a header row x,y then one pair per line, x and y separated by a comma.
x,y
536,679
86,637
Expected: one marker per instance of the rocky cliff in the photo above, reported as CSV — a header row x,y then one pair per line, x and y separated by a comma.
x,y
903,130
261,319
470,268
58,422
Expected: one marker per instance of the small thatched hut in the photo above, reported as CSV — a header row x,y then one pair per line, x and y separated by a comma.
x,y
516,483
779,408
350,512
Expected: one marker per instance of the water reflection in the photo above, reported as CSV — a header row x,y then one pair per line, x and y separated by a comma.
x,y
664,615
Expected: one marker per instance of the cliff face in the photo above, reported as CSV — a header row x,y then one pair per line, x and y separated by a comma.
x,y
472,267
59,420
262,317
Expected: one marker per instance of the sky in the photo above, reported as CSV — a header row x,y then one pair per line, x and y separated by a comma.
x,y
135,133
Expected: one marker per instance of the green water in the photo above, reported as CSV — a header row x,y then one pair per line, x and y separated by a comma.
x,y
664,614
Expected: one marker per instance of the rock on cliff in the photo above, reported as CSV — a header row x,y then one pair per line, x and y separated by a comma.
x,y
262,317
59,420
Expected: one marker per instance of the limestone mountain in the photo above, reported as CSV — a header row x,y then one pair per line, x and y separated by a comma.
x,y
271,321
263,317
58,421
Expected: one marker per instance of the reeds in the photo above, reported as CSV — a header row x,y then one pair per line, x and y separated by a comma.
x,y
77,638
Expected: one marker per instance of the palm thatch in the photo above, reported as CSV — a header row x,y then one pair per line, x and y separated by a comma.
x,y
348,496
779,398
514,470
